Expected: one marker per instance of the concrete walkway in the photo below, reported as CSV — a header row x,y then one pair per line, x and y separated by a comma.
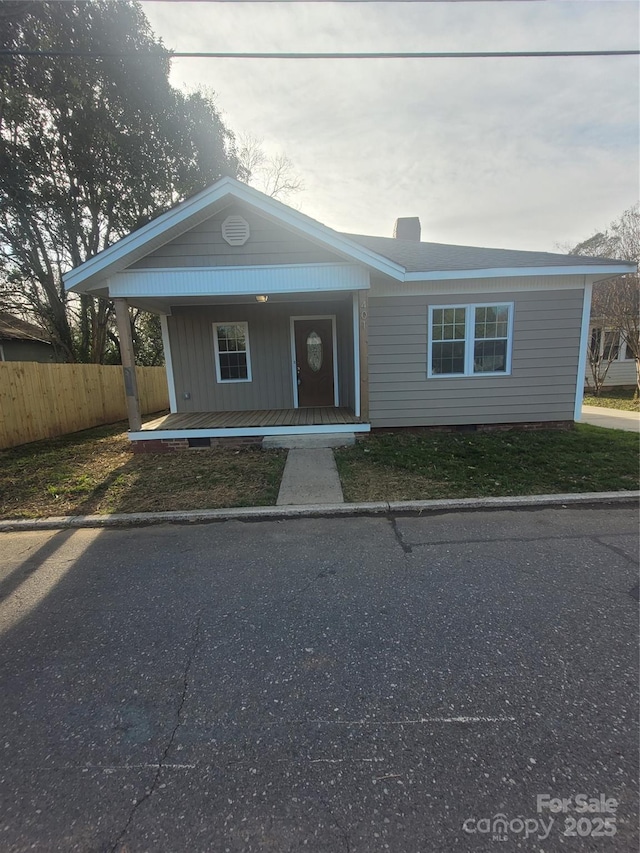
x,y
310,477
611,418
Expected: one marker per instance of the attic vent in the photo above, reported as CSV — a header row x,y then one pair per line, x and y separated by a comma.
x,y
235,230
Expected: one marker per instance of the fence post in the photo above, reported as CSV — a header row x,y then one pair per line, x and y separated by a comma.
x,y
128,364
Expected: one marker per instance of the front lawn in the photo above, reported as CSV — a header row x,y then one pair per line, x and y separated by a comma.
x,y
95,471
615,398
460,465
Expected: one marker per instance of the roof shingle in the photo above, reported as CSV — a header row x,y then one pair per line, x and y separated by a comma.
x,y
13,328
444,257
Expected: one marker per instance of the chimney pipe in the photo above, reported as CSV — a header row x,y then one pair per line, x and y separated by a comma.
x,y
407,228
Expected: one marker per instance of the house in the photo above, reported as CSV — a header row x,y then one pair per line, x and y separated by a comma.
x,y
22,341
611,355
276,325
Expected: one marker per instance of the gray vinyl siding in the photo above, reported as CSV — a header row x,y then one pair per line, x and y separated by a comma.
x,y
193,355
542,384
203,246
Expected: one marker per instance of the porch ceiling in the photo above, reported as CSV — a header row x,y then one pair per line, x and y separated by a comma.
x,y
164,306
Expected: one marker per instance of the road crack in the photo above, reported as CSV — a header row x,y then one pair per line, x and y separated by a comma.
x,y
393,521
193,646
616,550
337,823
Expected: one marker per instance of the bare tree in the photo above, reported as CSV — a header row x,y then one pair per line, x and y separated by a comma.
x,y
615,305
274,175
604,347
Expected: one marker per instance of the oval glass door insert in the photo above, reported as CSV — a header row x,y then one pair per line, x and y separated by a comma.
x,y
314,351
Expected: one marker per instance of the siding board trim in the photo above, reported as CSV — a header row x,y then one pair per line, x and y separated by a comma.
x,y
355,310
582,357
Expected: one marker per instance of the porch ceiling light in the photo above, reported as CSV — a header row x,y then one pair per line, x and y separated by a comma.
x,y
264,298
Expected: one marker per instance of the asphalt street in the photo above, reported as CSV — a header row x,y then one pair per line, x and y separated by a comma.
x,y
351,685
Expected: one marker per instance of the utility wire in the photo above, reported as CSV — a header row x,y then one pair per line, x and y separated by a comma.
x,y
339,2
535,54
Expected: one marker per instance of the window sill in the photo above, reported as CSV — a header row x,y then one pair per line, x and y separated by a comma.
x,y
468,375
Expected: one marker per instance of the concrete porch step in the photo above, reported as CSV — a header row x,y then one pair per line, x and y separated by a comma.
x,y
309,442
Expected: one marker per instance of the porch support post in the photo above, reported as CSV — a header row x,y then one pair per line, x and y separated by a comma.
x,y
128,364
363,346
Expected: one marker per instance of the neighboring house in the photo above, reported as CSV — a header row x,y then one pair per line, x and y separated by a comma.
x,y
275,324
22,341
608,344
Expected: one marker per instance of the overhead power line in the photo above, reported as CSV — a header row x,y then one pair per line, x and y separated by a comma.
x,y
338,2
512,54
341,2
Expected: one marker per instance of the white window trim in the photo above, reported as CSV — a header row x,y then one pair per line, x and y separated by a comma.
x,y
469,340
217,351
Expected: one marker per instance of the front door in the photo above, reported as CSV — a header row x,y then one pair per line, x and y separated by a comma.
x,y
314,361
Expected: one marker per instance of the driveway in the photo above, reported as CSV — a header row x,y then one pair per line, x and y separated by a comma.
x,y
611,418
357,685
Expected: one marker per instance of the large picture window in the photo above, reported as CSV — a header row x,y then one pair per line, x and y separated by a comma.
x,y
470,340
233,361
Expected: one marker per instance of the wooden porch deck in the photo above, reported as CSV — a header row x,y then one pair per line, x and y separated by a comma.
x,y
325,416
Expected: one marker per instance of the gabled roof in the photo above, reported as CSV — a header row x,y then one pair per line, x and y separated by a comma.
x,y
402,260
14,329
92,274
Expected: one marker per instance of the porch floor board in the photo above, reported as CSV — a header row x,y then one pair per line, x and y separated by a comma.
x,y
262,418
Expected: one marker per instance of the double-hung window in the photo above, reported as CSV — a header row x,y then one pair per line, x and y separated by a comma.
x,y
470,340
233,359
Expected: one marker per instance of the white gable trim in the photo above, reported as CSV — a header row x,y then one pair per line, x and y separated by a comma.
x,y
189,213
237,281
499,284
515,272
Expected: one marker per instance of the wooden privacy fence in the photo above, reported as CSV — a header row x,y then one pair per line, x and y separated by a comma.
x,y
46,400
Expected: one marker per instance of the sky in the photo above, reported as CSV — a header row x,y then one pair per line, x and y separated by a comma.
x,y
514,153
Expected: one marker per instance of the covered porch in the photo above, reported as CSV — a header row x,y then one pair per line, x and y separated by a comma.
x,y
248,367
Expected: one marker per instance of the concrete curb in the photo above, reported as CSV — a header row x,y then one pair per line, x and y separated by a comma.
x,y
277,513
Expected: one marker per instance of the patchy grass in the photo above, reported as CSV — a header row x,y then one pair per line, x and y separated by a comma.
x,y
615,398
95,471
516,462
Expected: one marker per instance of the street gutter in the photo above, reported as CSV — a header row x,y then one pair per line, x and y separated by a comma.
x,y
279,513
